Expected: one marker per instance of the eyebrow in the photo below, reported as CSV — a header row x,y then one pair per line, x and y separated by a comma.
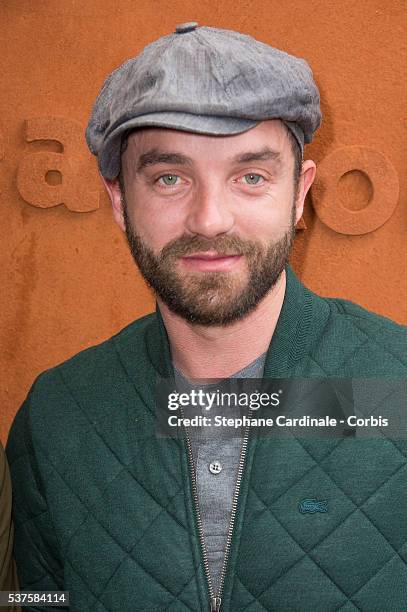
x,y
157,156
265,154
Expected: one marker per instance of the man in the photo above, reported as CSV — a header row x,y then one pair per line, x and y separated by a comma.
x,y
199,141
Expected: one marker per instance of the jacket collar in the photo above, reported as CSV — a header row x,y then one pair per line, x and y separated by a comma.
x,y
302,318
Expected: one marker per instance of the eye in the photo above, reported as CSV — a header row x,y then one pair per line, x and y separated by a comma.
x,y
168,179
253,178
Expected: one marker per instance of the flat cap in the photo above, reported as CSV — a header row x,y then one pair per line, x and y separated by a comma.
x,y
205,80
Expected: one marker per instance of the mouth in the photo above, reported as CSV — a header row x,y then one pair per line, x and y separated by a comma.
x,y
210,255
211,261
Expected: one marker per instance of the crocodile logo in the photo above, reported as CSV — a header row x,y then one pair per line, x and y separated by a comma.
x,y
312,506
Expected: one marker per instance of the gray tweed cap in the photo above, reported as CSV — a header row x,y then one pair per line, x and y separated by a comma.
x,y
204,80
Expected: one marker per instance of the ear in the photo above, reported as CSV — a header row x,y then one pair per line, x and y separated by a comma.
x,y
115,195
307,177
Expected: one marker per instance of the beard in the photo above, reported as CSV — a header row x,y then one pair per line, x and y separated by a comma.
x,y
211,298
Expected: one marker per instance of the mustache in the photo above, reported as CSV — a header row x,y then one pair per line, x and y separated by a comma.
x,y
228,245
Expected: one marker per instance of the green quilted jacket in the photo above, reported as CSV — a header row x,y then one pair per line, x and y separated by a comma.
x,y
104,509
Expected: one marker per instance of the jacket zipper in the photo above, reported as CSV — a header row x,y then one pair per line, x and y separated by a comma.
x,y
216,599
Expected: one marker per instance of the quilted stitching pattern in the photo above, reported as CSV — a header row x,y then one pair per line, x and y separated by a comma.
x,y
120,554
356,546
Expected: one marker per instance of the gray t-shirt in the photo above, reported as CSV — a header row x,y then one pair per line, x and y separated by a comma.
x,y
216,459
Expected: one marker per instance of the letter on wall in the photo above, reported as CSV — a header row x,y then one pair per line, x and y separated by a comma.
x,y
381,178
76,186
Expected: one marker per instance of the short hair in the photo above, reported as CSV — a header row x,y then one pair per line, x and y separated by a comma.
x,y
295,149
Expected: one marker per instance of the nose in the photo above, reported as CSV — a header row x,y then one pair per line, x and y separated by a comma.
x,y
209,213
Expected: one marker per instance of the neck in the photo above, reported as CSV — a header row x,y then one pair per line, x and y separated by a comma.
x,y
216,351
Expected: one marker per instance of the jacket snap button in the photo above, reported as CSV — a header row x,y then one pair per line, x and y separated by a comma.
x,y
215,467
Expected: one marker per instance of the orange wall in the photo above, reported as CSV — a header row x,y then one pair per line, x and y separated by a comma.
x,y
67,278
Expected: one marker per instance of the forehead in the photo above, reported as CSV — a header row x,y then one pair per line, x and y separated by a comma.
x,y
267,135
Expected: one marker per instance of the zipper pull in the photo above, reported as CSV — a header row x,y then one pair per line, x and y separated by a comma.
x,y
215,604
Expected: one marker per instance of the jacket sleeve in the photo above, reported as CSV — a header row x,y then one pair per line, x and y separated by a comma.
x,y
36,548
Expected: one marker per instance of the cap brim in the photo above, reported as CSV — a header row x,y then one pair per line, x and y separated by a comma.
x,y
109,155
